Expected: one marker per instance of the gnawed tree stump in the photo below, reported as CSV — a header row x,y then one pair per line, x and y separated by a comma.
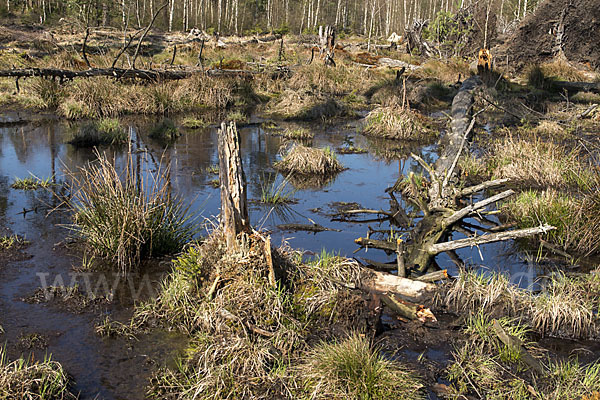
x,y
442,202
327,44
234,202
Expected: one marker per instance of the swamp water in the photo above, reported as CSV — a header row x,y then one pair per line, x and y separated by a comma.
x,y
116,368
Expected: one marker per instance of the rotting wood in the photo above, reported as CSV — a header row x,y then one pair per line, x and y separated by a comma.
x,y
408,309
434,276
411,290
234,203
517,345
120,73
269,260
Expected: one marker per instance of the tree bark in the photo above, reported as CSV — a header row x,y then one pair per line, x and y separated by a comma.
x,y
234,203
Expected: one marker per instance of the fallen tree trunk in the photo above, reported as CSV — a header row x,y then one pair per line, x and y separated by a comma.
x,y
440,200
120,73
574,87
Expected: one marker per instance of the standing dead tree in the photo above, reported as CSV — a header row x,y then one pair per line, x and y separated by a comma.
x,y
443,204
234,202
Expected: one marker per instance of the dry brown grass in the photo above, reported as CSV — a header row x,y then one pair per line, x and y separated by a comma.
x,y
537,163
395,122
23,379
246,333
566,306
562,70
304,161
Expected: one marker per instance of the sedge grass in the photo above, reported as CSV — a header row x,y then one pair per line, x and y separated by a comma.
x,y
125,217
353,369
23,379
32,183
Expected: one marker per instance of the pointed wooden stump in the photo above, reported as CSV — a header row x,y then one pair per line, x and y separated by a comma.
x,y
234,203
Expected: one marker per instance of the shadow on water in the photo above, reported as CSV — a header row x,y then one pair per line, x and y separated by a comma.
x,y
115,368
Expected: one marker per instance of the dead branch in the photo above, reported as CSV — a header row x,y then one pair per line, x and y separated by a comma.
x,y
494,237
139,45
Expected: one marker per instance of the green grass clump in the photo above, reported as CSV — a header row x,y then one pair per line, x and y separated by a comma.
x,y
353,369
125,217
165,131
575,218
107,131
8,242
23,379
32,183
485,365
238,117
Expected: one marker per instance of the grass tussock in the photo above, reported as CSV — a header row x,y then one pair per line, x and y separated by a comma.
x,y
23,379
274,193
103,97
247,334
9,242
398,123
574,216
165,131
539,164
353,369
295,134
303,105
483,364
125,216
565,307
106,131
306,161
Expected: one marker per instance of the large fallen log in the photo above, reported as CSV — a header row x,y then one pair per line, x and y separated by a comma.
x,y
120,73
574,87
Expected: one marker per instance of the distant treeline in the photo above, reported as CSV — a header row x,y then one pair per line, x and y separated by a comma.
x,y
368,17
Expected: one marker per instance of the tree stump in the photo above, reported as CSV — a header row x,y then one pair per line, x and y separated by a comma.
x,y
234,203
327,44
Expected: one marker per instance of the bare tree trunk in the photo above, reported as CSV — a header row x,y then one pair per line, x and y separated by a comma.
x,y
234,205
171,11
